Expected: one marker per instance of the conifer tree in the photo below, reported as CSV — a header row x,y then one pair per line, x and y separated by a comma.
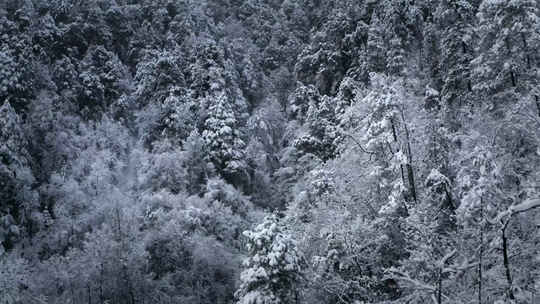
x,y
375,44
223,139
506,69
16,177
455,22
396,57
273,269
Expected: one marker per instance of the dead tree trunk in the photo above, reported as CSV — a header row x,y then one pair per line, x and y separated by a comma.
x,y
410,171
439,287
506,261
394,134
481,250
537,104
101,299
89,294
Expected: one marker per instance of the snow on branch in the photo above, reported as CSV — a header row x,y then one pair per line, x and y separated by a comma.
x,y
445,258
415,284
515,209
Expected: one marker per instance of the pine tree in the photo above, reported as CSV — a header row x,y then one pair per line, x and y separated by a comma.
x,y
322,133
102,75
375,44
387,134
17,79
16,177
396,57
438,182
15,273
493,198
273,269
198,168
400,20
160,81
301,100
156,74
223,139
506,69
431,53
455,21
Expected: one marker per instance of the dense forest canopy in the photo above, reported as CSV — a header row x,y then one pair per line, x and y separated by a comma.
x,y
269,151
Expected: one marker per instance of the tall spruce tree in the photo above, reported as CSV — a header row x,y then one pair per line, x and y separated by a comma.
x,y
223,138
273,269
506,68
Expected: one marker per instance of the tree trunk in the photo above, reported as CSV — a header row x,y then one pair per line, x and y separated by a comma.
x,y
394,134
412,186
537,104
89,295
480,280
513,78
439,288
469,86
72,292
506,262
410,171
101,300
481,250
527,57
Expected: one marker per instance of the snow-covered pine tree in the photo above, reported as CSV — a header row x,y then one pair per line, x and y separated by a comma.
x,y
455,24
321,134
506,69
223,139
17,81
273,269
300,101
496,201
375,44
396,57
386,137
400,18
16,177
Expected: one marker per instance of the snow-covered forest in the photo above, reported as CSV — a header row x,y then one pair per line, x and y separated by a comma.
x,y
269,151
